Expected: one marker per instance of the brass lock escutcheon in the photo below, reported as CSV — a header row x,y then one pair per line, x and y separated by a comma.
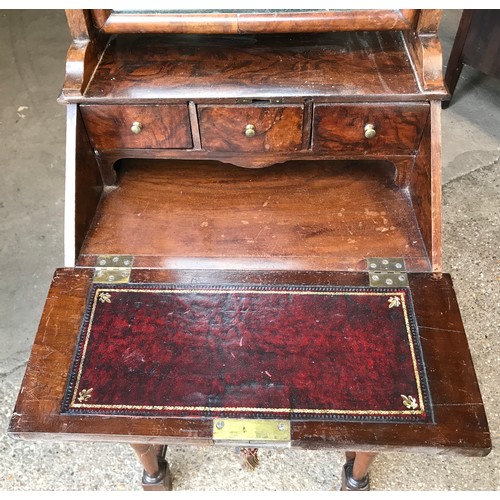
x,y
234,430
370,130
136,127
250,130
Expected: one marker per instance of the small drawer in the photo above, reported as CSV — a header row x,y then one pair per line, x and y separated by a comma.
x,y
138,127
251,128
368,128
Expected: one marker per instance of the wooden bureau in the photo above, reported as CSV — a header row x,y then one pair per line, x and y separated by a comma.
x,y
290,149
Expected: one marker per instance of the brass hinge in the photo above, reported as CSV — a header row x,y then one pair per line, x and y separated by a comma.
x,y
387,272
113,268
251,431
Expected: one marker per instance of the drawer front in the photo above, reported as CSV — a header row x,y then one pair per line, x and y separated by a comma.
x,y
138,127
251,128
368,128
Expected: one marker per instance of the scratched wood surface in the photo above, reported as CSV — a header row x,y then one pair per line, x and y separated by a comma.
x,y
356,65
298,215
460,423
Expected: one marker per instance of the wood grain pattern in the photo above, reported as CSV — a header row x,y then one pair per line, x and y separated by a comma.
x,y
254,22
429,20
425,186
404,166
340,127
162,126
426,53
277,128
100,16
83,54
195,126
83,185
81,60
424,48
460,426
299,215
436,189
107,159
346,65
80,24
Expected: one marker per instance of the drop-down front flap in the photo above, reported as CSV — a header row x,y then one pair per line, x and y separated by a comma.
x,y
173,352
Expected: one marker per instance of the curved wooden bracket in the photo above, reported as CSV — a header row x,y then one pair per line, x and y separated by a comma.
x,y
425,48
83,54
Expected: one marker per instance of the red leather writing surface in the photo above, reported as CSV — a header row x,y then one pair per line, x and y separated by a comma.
x,y
249,351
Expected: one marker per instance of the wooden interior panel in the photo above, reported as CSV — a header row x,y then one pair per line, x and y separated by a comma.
x,y
425,186
88,182
298,215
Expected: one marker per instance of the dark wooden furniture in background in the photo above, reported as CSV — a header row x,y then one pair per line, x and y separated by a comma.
x,y
477,44
343,110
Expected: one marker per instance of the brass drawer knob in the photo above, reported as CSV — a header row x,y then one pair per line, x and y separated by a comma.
x,y
250,130
136,127
370,131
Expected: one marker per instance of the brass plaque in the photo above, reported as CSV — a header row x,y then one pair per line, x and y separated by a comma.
x,y
249,430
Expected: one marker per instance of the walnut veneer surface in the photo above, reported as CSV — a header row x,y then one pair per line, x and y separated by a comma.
x,y
297,215
359,66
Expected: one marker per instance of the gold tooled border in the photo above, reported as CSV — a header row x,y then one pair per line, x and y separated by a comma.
x,y
420,411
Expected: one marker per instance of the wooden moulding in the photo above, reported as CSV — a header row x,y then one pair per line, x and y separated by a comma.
x,y
81,60
83,54
460,422
80,24
428,20
425,50
236,23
